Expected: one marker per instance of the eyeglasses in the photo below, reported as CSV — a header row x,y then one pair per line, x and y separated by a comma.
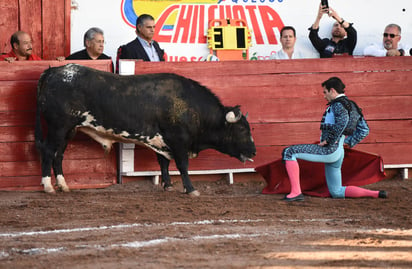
x,y
390,35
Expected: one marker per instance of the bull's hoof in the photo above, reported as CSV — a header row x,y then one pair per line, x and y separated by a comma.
x,y
63,188
194,193
49,189
169,188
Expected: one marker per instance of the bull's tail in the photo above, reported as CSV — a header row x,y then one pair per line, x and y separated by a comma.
x,y
38,132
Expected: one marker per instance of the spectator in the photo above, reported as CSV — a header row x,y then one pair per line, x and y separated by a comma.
x,y
343,39
94,45
21,48
342,122
390,45
143,47
288,40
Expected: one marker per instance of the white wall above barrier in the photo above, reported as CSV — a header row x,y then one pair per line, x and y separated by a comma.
x,y
181,26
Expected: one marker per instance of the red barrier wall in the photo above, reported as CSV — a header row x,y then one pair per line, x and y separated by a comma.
x,y
284,100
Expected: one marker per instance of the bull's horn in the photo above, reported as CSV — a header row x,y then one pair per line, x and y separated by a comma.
x,y
231,117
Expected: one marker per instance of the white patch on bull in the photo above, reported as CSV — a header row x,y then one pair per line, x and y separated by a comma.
x,y
192,155
103,139
61,183
75,113
106,137
46,182
68,72
157,144
124,133
89,118
156,141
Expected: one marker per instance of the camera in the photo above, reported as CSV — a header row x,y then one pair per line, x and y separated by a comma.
x,y
324,3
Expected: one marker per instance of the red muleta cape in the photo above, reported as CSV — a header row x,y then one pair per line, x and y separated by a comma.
x,y
359,168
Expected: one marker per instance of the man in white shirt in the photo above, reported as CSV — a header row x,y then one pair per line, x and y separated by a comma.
x,y
390,45
288,40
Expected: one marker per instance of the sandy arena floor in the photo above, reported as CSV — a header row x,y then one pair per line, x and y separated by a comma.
x,y
138,225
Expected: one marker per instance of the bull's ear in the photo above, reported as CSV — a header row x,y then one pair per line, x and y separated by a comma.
x,y
232,118
247,114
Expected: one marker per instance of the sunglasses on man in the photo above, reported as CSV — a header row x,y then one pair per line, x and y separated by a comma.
x,y
390,35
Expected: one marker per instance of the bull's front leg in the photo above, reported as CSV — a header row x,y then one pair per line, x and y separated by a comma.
x,y
183,165
164,168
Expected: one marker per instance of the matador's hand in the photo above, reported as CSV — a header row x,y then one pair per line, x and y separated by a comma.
x,y
323,143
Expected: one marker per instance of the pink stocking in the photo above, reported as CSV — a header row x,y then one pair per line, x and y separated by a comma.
x,y
356,192
292,167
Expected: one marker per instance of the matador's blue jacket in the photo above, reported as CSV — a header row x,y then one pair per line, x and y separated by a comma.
x,y
343,117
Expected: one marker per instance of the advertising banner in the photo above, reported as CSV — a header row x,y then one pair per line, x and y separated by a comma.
x,y
181,26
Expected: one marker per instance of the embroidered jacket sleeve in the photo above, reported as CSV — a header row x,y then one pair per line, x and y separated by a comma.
x,y
334,123
362,131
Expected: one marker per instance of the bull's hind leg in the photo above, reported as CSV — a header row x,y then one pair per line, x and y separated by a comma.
x,y
58,171
58,161
46,163
52,155
164,168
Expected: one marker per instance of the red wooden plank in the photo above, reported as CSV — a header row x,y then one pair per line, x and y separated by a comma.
x,y
311,109
392,153
207,160
9,23
294,133
54,25
16,118
17,133
31,70
17,95
86,166
67,27
295,85
22,70
76,150
31,22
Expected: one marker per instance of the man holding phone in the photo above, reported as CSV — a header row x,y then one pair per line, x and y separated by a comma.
x,y
343,39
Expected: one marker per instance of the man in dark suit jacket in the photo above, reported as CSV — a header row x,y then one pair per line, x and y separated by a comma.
x,y
143,47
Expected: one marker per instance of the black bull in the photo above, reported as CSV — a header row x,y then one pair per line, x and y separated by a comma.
x,y
174,116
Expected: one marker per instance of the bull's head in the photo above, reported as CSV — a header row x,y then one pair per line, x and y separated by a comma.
x,y
238,141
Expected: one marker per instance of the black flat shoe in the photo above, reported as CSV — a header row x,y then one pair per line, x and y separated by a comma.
x,y
383,194
300,197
